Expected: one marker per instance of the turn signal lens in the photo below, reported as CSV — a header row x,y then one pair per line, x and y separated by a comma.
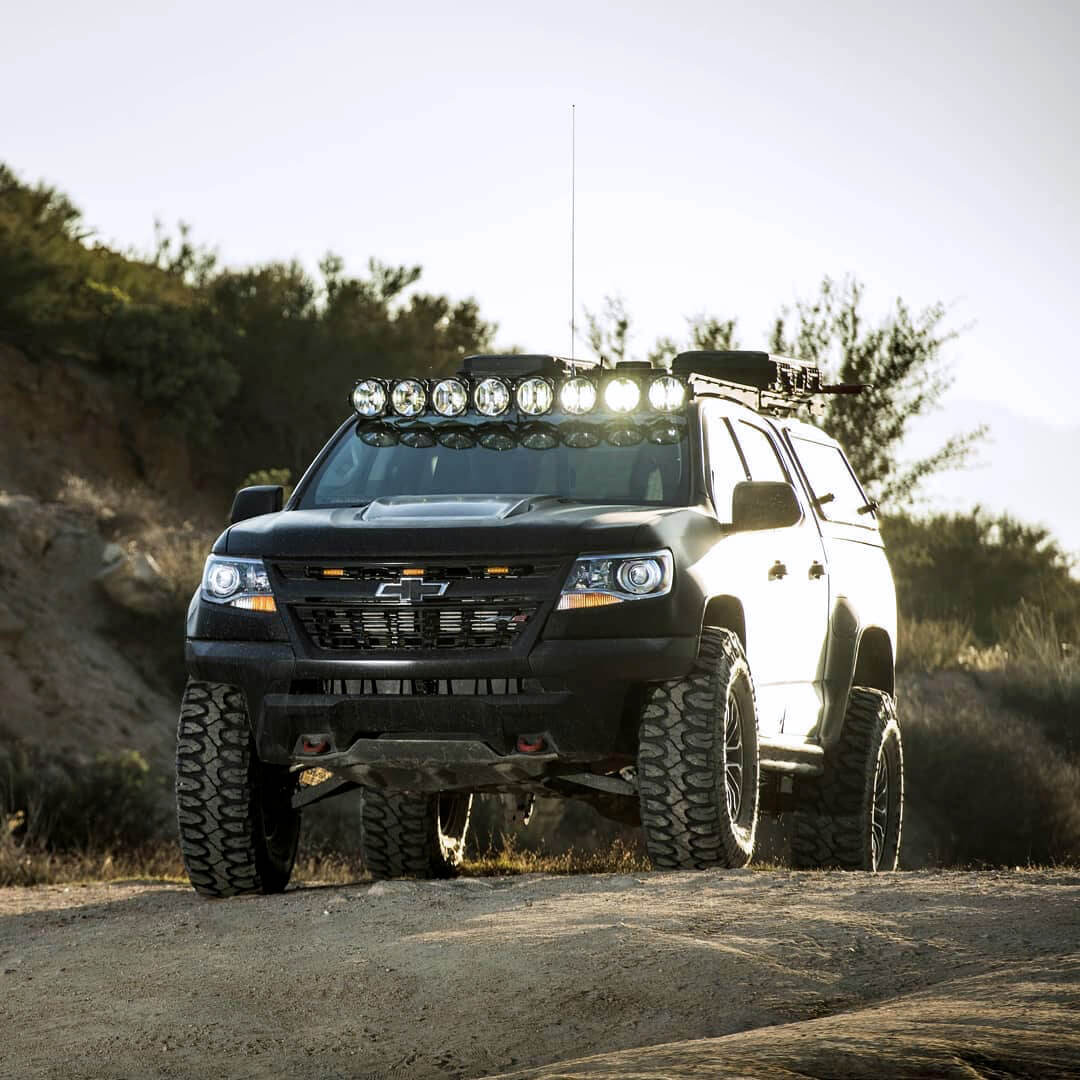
x,y
578,396
574,601
622,395
254,603
409,397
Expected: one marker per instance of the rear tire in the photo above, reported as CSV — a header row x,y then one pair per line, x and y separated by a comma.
x,y
238,828
851,817
698,762
413,834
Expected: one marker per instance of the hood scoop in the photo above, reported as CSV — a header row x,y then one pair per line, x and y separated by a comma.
x,y
416,509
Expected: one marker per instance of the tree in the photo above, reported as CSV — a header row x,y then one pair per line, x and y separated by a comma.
x,y
899,359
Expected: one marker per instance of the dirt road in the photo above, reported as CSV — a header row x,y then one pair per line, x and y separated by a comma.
x,y
655,975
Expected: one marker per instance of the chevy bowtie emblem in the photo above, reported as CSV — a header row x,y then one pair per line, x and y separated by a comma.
x,y
411,590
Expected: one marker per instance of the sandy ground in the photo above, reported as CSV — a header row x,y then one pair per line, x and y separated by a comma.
x,y
757,974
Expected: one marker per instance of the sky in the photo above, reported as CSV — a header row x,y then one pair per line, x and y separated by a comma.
x,y
727,157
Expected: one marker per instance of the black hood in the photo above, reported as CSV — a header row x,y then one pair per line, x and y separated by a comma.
x,y
462,525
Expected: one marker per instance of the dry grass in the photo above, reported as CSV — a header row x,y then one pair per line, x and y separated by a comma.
x,y
932,644
509,859
138,520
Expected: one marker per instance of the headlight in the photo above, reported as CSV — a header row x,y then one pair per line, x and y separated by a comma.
x,y
239,583
598,580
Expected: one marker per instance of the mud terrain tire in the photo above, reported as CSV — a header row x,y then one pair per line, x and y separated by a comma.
x,y
413,834
238,828
851,817
698,741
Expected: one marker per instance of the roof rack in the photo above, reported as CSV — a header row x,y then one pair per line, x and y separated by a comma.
x,y
780,385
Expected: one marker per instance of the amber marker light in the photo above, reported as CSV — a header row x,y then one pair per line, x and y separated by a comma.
x,y
495,570
254,603
575,601
333,573
412,572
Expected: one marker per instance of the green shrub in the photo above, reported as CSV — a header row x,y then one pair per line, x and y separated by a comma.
x,y
932,644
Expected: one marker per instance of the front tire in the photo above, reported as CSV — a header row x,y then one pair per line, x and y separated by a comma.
x,y
413,834
238,828
851,817
698,762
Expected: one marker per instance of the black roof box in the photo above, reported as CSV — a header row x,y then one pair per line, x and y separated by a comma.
x,y
518,365
759,370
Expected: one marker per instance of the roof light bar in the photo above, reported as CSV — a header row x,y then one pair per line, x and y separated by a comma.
x,y
450,397
622,394
369,397
535,396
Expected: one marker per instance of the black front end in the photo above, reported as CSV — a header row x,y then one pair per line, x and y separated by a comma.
x,y
437,674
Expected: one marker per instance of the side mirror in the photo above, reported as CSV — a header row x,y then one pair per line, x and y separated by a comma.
x,y
764,504
250,502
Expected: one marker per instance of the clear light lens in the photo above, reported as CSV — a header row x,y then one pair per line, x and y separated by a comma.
x,y
639,576
578,396
622,395
408,397
492,397
369,397
535,396
236,581
666,393
450,397
622,577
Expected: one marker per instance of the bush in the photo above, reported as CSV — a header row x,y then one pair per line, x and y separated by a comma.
x,y
54,805
932,644
986,786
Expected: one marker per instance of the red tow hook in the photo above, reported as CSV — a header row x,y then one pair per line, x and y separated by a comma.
x,y
314,745
530,744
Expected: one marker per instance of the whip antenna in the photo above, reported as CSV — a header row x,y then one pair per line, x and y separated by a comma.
x,y
573,193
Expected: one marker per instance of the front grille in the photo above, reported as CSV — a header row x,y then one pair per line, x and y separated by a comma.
x,y
481,625
344,570
489,687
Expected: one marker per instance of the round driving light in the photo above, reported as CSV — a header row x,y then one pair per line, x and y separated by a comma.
x,y
580,436
379,435
492,397
450,397
419,438
578,396
223,579
622,395
369,397
666,394
408,397
535,396
639,576
539,437
497,438
624,434
456,438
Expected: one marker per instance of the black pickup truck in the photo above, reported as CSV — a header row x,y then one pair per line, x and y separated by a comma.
x,y
659,590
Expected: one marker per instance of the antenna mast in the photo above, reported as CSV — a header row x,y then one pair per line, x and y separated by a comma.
x,y
573,195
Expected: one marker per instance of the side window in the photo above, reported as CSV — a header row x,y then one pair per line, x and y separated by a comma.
x,y
760,454
836,492
725,465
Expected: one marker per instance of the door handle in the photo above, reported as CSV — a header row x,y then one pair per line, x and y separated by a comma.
x,y
777,571
816,571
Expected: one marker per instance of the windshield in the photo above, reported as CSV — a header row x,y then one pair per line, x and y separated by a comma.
x,y
619,462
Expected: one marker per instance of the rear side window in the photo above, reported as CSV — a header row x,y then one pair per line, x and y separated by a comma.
x,y
836,492
760,454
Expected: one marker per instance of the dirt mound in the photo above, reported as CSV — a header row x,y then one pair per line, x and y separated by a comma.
x,y
663,975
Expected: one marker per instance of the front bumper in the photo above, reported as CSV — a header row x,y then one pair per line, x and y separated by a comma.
x,y
587,709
